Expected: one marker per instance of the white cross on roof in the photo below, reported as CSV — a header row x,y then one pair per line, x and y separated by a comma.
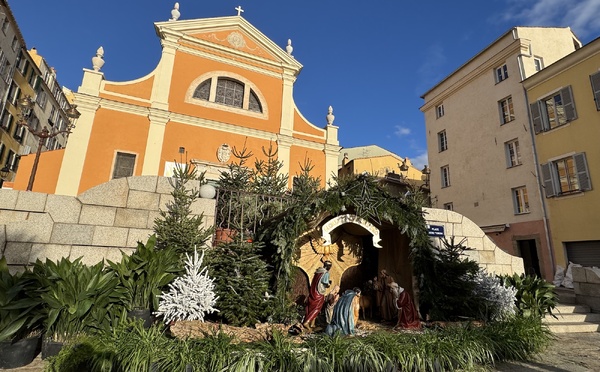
x,y
239,10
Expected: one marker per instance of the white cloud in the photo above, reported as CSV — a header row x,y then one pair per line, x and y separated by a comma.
x,y
420,160
580,15
401,131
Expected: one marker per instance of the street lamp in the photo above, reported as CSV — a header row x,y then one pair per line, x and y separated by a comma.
x,y
426,174
25,105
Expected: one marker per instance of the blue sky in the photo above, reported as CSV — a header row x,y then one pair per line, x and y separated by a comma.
x,y
370,60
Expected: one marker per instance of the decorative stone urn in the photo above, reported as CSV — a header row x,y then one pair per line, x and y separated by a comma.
x,y
98,60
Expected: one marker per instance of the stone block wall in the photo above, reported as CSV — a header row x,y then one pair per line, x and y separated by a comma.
x,y
489,256
586,281
98,224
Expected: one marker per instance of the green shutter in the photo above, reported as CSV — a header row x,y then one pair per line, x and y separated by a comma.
x,y
568,103
595,78
547,180
583,175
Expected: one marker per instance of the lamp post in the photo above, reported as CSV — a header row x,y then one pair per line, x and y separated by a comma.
x,y
25,105
426,174
3,174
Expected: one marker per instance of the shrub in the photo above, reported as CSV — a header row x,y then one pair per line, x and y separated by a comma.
x,y
497,300
535,297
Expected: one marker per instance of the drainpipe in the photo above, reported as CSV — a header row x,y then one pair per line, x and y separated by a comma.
x,y
540,186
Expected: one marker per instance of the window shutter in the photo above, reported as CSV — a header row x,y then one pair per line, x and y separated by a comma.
x,y
568,103
536,117
582,172
596,88
547,180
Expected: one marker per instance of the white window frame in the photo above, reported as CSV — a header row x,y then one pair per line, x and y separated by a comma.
x,y
577,181
442,141
6,120
445,176
449,206
113,168
507,110
14,44
520,200
439,111
5,24
538,63
501,73
513,153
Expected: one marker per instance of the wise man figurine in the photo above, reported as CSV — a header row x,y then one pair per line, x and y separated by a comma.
x,y
316,296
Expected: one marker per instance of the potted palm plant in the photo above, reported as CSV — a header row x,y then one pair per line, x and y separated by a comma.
x,y
143,275
20,319
78,299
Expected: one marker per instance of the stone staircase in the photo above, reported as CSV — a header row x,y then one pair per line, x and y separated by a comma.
x,y
572,318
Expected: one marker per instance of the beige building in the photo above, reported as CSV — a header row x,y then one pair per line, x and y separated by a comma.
x,y
565,113
480,145
378,162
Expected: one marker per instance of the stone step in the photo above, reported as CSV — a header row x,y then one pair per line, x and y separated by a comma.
x,y
568,309
565,295
577,327
573,318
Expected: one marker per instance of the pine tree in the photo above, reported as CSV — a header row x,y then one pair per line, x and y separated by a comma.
x,y
177,228
190,296
242,282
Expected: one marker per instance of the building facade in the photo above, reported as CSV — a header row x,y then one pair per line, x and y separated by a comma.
x,y
480,146
25,73
377,161
220,85
11,49
564,102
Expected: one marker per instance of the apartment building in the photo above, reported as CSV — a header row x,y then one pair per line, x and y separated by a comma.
x,y
480,145
564,101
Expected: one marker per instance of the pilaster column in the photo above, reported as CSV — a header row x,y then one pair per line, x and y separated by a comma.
x,y
164,73
331,162
284,145
71,167
287,104
154,142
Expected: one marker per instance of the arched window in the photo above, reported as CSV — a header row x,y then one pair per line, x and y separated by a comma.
x,y
254,103
228,91
203,90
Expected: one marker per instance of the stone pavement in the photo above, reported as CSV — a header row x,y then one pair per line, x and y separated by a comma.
x,y
571,352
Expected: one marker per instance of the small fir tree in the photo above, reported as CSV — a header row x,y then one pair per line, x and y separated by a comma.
x,y
447,282
190,296
242,282
177,228
267,178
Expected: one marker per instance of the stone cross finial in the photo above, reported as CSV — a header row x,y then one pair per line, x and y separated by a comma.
x,y
330,117
98,60
175,13
289,48
239,10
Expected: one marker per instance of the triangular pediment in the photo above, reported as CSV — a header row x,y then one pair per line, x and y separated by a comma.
x,y
227,35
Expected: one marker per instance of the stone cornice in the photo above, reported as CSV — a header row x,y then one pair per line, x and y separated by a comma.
x,y
513,48
222,23
570,61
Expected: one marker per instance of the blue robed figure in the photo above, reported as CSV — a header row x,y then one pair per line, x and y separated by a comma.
x,y
345,313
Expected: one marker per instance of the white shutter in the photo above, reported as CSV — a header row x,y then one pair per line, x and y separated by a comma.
x,y
583,174
547,179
